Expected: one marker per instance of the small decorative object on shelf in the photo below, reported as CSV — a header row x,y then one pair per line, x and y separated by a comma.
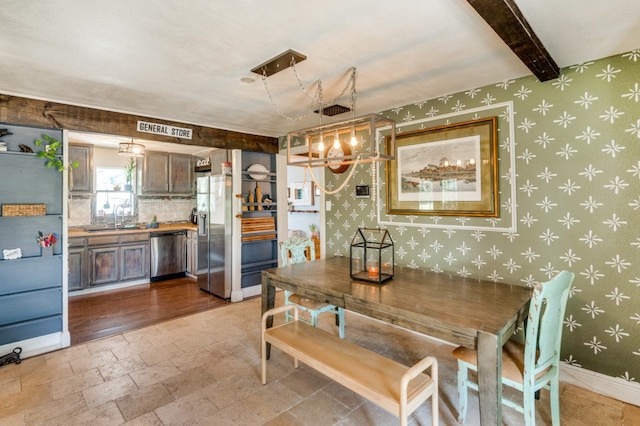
x,y
46,243
226,168
5,132
372,255
258,196
154,222
10,254
250,200
314,230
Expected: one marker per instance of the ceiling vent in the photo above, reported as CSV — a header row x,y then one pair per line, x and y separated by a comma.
x,y
333,110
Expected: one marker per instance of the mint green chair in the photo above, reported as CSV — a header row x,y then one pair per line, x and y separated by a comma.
x,y
527,367
292,251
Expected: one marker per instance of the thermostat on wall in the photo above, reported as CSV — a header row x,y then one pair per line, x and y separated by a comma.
x,y
362,191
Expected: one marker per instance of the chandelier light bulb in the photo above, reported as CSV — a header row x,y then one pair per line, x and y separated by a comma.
x,y
321,144
354,140
336,141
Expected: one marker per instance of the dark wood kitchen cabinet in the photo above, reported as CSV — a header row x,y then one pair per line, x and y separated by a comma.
x,y
180,174
165,173
104,265
77,262
154,169
117,264
108,259
134,256
81,177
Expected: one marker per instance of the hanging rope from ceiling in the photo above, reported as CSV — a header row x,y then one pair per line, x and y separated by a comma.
x,y
317,98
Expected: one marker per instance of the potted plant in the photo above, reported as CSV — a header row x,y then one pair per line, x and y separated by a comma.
x,y
154,222
128,173
314,230
50,153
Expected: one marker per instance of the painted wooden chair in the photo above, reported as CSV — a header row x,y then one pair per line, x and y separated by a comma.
x,y
292,251
527,367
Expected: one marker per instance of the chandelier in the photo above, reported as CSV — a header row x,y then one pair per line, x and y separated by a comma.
x,y
339,144
131,149
367,139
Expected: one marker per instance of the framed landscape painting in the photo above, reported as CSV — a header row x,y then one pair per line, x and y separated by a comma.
x,y
447,170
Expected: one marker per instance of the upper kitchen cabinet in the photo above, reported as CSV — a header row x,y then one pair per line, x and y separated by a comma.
x,y
81,177
181,174
165,173
153,173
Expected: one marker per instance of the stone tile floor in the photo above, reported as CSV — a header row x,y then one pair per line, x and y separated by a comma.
x,y
205,370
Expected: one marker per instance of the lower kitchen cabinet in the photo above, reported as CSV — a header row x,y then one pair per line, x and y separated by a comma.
x,y
104,265
77,268
134,260
102,260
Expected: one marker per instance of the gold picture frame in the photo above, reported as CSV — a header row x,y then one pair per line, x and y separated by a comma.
x,y
448,170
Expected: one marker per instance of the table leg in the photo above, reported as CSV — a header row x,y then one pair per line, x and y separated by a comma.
x,y
268,302
490,378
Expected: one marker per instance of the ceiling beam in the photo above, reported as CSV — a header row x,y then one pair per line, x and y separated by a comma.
x,y
32,112
507,21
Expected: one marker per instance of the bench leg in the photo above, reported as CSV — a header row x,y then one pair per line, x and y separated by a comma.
x,y
263,361
435,407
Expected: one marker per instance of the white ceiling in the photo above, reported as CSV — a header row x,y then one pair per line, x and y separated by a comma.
x,y
184,60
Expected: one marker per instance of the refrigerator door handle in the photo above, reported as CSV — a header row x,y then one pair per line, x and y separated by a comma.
x,y
202,224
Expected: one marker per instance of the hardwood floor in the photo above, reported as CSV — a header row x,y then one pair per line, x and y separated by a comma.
x,y
93,316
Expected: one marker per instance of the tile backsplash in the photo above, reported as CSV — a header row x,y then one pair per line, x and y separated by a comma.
x,y
165,210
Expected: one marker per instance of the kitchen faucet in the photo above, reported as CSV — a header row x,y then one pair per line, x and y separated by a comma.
x,y
115,215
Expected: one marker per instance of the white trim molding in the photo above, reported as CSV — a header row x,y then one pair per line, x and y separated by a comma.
x,y
612,387
38,345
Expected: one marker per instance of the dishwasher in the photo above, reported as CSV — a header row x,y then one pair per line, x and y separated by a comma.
x,y
168,255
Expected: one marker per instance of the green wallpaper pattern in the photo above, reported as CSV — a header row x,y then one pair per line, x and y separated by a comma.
x,y
569,185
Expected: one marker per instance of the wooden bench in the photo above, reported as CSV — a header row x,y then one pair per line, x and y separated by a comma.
x,y
393,386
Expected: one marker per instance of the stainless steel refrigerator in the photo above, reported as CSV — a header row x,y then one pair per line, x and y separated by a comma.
x,y
214,197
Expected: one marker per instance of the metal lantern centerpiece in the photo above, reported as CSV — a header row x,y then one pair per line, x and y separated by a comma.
x,y
371,255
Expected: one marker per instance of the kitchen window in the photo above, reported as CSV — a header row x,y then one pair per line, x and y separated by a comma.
x,y
110,192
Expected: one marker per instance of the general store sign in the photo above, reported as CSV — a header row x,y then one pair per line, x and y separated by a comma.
x,y
164,130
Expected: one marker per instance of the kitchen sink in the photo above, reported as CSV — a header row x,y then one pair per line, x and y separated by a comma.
x,y
111,229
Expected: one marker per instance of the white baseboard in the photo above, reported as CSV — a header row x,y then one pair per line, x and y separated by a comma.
x,y
255,290
237,296
612,387
103,288
38,345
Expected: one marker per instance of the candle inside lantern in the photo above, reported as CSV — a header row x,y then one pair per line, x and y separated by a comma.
x,y
373,271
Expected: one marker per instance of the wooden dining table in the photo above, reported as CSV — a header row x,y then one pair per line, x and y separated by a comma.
x,y
477,314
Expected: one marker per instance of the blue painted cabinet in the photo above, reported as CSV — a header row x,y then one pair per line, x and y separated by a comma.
x,y
259,248
31,286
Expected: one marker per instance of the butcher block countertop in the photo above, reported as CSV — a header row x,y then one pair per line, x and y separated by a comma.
x,y
110,231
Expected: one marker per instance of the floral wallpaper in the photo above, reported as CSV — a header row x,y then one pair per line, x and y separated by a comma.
x,y
569,182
